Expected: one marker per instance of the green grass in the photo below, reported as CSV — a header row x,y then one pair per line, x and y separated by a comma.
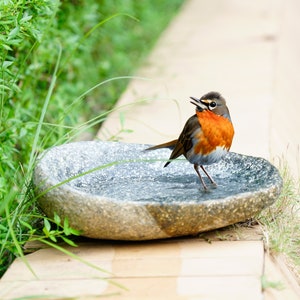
x,y
63,66
281,222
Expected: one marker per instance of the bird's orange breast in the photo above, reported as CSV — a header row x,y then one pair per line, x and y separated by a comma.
x,y
216,131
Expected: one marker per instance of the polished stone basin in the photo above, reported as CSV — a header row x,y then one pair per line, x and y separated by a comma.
x,y
112,190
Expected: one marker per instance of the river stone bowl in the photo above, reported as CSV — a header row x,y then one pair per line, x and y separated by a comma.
x,y
112,190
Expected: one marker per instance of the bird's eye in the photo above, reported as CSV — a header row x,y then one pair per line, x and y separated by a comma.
x,y
212,105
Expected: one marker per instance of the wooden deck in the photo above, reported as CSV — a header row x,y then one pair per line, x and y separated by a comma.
x,y
187,268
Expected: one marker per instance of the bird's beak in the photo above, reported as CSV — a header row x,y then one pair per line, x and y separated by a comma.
x,y
198,103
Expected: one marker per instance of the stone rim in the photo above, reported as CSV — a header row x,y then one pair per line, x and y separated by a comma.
x,y
161,220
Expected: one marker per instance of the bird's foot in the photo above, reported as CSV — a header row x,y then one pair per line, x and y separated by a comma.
x,y
214,185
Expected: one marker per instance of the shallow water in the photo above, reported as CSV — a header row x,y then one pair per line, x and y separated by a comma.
x,y
139,176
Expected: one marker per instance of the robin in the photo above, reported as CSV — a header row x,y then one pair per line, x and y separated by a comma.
x,y
206,136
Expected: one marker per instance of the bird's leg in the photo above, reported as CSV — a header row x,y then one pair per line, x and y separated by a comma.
x,y
209,177
200,177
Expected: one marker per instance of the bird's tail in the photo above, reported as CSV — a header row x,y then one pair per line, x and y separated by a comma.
x,y
169,145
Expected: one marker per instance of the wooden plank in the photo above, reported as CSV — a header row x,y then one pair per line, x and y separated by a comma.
x,y
280,282
181,268
186,257
239,287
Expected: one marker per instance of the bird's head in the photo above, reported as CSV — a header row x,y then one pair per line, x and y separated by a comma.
x,y
212,101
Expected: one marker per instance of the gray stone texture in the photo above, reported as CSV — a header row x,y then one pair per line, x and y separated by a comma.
x,y
111,190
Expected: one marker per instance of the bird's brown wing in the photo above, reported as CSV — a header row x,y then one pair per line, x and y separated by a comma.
x,y
184,142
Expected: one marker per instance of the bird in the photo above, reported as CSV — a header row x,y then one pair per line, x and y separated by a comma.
x,y
206,136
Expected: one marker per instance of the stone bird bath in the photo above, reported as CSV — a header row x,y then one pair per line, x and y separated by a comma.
x,y
112,190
